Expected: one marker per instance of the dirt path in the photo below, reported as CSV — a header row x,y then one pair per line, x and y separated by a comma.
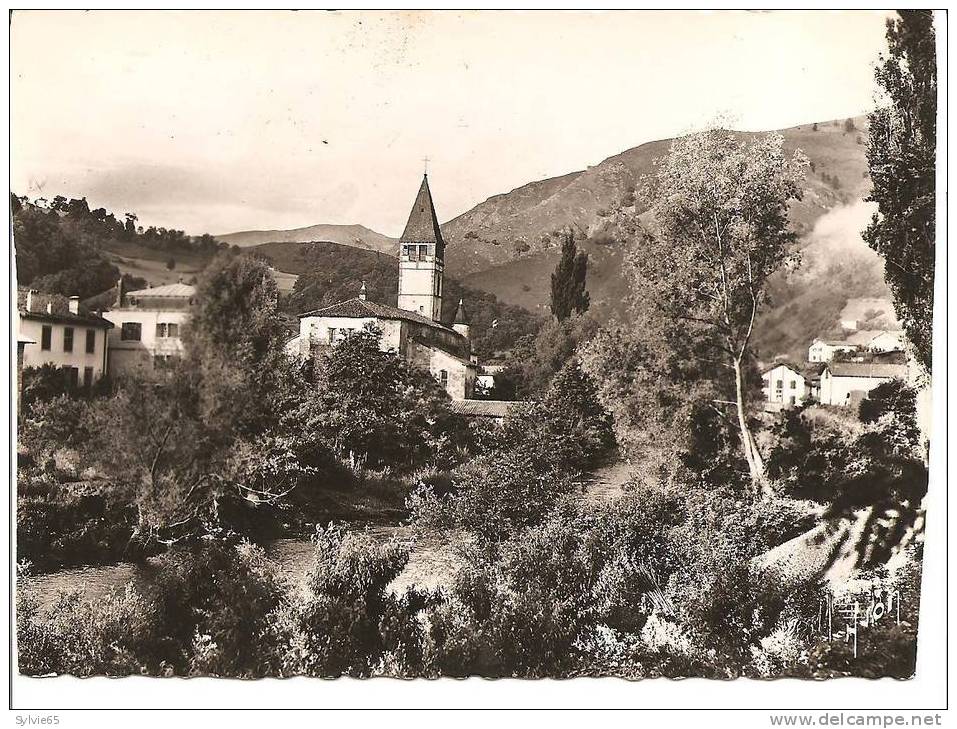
x,y
607,483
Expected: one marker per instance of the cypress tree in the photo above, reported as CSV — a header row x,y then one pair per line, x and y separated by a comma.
x,y
568,281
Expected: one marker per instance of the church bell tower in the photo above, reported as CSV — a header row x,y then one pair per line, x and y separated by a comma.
x,y
422,258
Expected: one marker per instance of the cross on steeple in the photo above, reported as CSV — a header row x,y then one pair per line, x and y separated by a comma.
x,y
425,161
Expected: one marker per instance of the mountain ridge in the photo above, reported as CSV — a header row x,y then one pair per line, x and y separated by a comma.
x,y
355,235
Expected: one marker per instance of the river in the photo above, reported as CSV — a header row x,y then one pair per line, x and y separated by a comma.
x,y
432,558
432,561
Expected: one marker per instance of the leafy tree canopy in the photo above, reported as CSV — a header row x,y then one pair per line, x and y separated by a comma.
x,y
901,156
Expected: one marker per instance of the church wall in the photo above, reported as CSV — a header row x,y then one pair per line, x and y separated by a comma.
x,y
316,329
450,341
459,376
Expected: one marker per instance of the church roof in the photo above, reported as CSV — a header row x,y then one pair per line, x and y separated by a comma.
x,y
359,309
423,225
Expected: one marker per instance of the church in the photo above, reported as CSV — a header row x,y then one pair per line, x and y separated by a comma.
x,y
414,328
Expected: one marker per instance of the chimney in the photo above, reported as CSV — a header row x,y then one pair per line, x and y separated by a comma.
x,y
74,304
120,293
49,307
362,292
30,295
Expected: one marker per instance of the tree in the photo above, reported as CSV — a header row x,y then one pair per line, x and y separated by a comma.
x,y
170,263
849,125
211,435
234,345
901,157
374,407
568,281
720,209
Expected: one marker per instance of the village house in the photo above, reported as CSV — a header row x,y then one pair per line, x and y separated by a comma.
x,y
880,340
414,328
61,336
822,350
785,385
870,340
485,381
846,383
148,328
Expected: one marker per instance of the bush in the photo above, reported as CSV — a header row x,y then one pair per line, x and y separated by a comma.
x,y
493,495
110,637
62,525
204,611
214,602
347,622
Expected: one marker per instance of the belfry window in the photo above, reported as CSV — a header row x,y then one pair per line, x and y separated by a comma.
x,y
423,252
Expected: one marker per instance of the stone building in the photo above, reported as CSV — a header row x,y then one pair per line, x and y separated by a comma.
x,y
414,328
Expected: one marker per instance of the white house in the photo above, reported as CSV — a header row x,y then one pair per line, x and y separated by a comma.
x,y
785,385
148,328
485,381
887,341
63,336
844,383
822,350
413,328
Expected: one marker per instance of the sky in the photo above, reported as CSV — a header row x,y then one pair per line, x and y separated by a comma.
x,y
225,121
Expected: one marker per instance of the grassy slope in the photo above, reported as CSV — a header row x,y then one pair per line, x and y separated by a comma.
x,y
150,264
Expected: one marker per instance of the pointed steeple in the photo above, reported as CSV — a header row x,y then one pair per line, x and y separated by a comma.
x,y
423,225
422,258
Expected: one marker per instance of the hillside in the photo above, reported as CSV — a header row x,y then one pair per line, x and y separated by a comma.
x,y
152,265
357,236
837,270
523,222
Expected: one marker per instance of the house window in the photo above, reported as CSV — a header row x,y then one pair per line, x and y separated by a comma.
x,y
90,341
780,384
72,377
165,330
46,337
161,361
87,377
443,378
132,331
68,339
794,384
